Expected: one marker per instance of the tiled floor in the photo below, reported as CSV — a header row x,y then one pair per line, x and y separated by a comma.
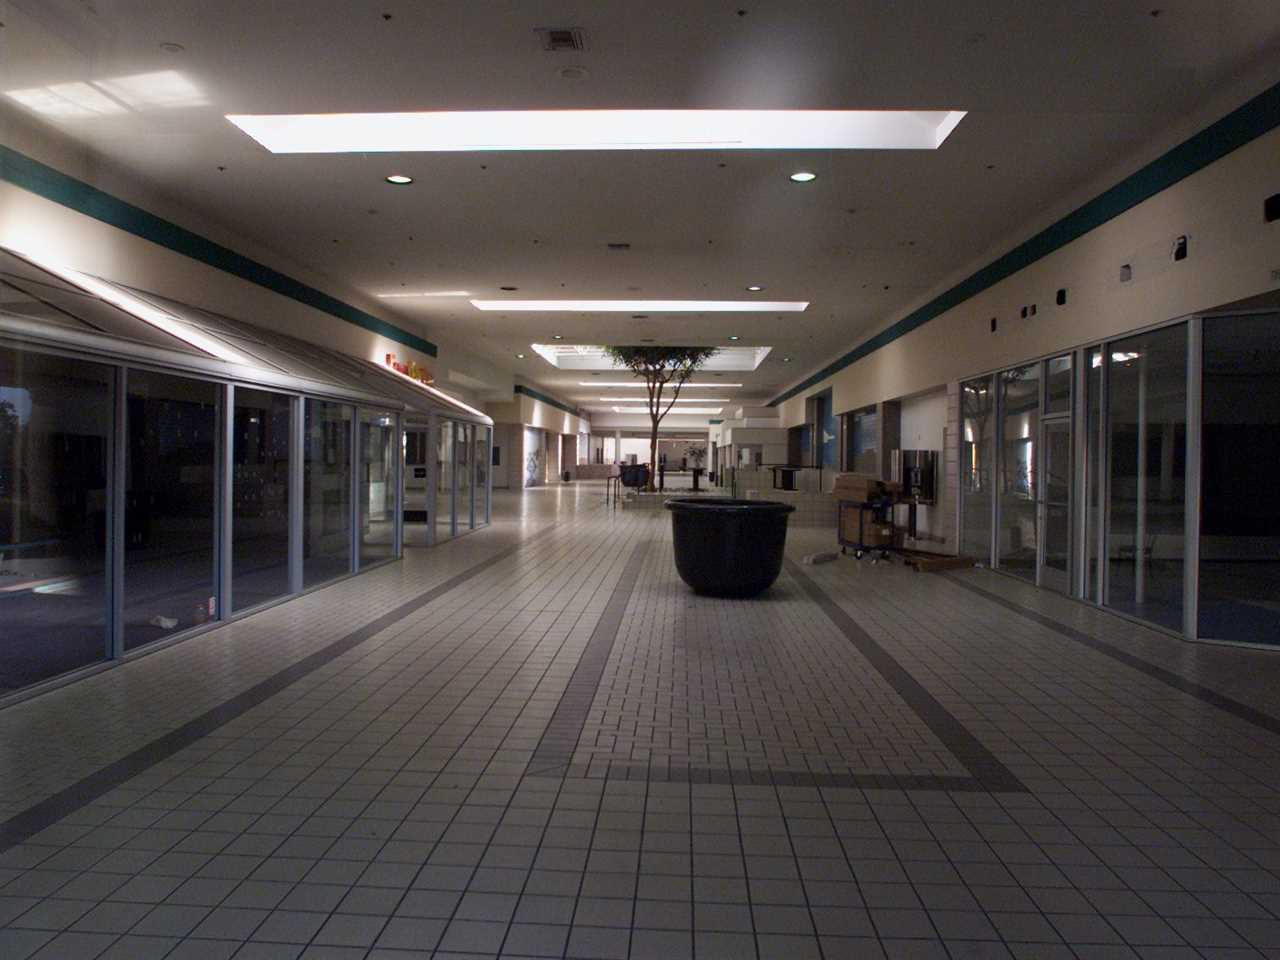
x,y
534,742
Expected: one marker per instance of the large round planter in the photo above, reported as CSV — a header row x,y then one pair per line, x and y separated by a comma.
x,y
726,547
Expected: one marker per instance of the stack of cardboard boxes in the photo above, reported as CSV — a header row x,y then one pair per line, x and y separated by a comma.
x,y
860,488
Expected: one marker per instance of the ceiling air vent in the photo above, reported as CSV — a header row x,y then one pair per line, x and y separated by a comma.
x,y
555,39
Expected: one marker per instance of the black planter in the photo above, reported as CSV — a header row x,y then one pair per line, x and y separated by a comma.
x,y
726,547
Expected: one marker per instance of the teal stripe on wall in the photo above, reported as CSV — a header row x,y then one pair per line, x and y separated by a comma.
x,y
1259,116
543,398
42,180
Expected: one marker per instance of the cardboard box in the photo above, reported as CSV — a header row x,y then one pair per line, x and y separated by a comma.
x,y
863,488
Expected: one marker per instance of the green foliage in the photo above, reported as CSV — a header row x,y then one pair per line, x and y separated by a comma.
x,y
662,368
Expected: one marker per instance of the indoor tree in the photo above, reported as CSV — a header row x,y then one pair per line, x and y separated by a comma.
x,y
664,370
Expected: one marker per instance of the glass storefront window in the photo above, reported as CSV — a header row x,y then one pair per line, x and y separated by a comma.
x,y
862,441
326,504
1093,477
1240,447
259,497
1019,483
377,489
56,419
417,466
977,466
482,473
462,475
1146,432
1057,394
444,482
170,497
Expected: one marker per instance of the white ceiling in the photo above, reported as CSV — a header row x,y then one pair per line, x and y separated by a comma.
x,y
1057,93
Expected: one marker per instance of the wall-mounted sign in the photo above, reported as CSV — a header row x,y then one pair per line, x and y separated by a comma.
x,y
411,369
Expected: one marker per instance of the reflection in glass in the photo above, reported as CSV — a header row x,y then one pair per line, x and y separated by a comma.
x,y
1019,485
1093,476
259,497
55,431
462,447
862,439
1058,386
1056,490
326,492
482,472
977,466
1240,450
416,465
1147,406
444,482
377,489
170,496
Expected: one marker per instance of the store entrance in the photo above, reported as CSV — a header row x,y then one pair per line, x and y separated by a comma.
x,y
416,479
1055,505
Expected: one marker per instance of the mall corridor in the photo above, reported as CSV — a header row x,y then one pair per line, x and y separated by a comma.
x,y
534,741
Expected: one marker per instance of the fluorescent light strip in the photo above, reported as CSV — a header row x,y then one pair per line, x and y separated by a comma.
x,y
143,311
643,306
639,384
600,130
439,394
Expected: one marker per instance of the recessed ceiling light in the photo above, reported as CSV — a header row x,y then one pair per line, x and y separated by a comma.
x,y
786,359
399,179
755,288
519,356
556,336
733,336
643,306
600,130
803,176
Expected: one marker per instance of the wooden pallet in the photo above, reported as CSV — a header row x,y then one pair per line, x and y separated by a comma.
x,y
934,562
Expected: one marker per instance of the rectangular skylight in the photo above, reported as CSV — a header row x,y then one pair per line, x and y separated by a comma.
x,y
688,411
717,385
581,356
643,306
600,130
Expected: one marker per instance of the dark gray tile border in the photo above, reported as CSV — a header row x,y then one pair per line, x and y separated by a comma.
x,y
559,741
554,754
49,811
987,772
1205,694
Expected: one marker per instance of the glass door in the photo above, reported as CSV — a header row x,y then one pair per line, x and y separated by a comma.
x,y
444,482
1055,507
462,447
416,465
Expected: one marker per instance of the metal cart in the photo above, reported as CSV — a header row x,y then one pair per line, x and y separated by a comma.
x,y
880,512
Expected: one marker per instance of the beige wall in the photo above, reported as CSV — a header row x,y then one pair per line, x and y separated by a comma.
x,y
1232,254
45,228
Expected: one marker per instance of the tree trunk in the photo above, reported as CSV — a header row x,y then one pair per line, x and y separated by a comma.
x,y
653,457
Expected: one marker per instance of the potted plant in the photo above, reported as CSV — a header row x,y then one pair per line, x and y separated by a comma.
x,y
664,370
